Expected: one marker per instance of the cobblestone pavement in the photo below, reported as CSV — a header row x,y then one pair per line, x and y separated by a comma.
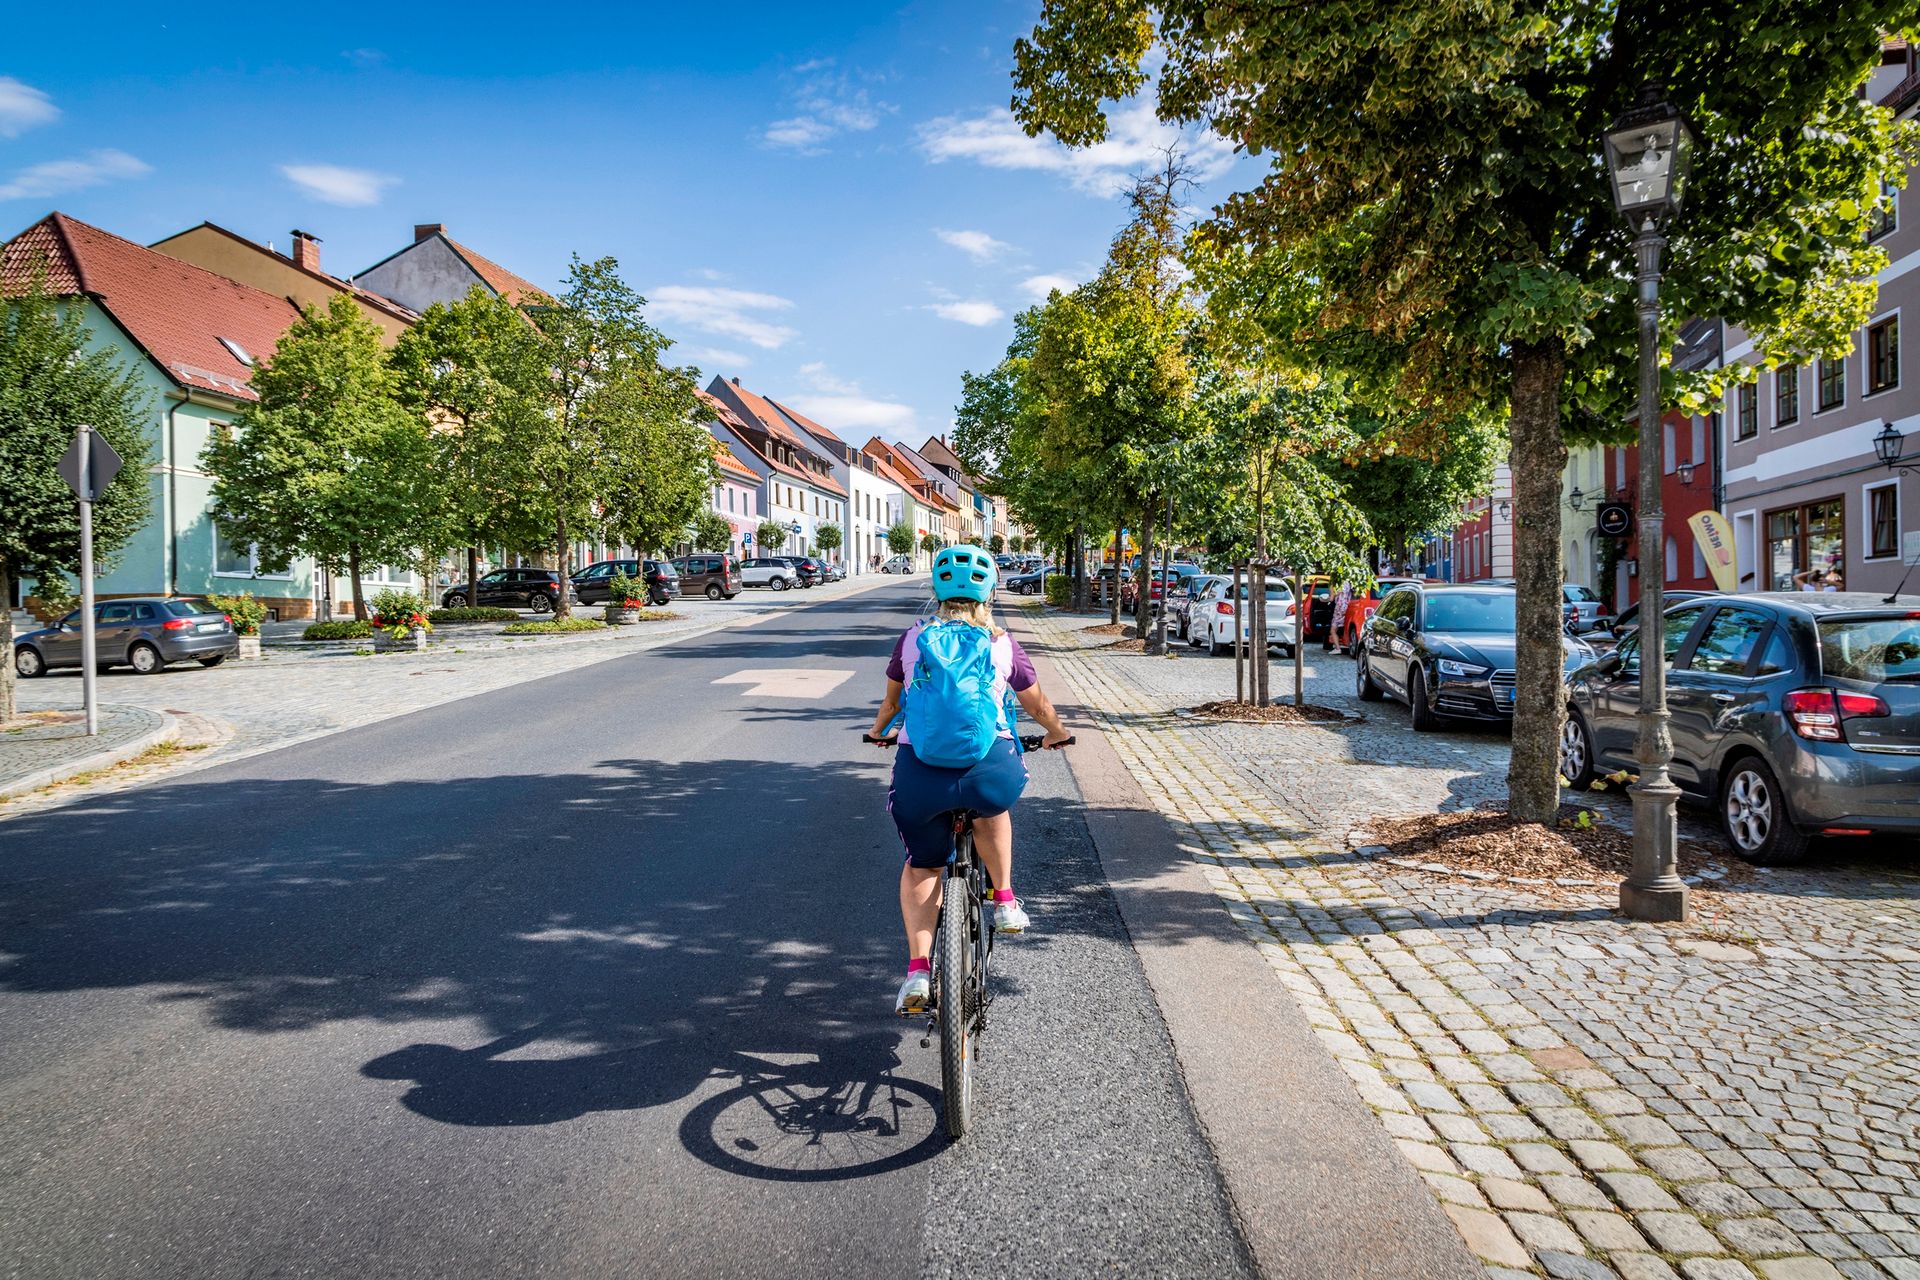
x,y
292,695
58,739
1586,1096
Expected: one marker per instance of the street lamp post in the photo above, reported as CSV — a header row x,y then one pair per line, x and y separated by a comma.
x,y
1648,151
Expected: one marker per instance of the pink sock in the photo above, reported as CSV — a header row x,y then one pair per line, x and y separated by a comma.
x,y
1003,895
919,966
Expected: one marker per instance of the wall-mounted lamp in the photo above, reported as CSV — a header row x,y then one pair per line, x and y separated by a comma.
x,y
1685,472
1577,499
1504,509
1889,445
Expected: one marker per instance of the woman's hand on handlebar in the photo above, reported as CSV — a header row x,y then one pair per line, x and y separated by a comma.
x,y
880,740
1047,742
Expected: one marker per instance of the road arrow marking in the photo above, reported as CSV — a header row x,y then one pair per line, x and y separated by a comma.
x,y
788,682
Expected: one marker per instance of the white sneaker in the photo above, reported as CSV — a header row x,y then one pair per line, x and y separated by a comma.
x,y
1009,918
915,994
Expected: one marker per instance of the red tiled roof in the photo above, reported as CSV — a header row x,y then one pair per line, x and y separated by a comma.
x,y
731,465
515,289
378,301
906,473
768,419
176,312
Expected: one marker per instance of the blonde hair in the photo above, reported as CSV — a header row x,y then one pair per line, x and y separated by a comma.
x,y
978,612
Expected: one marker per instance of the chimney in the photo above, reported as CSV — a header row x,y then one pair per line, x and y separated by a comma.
x,y
428,230
306,250
736,379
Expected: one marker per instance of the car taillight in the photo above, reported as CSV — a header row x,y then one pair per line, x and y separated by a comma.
x,y
1817,713
227,618
175,624
1289,611
1223,607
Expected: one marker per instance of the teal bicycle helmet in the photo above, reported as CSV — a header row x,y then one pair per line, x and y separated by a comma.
x,y
963,573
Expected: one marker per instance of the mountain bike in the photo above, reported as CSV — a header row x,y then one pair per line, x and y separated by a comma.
x,y
962,946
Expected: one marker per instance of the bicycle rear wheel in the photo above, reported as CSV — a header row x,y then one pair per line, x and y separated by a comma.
x,y
956,1023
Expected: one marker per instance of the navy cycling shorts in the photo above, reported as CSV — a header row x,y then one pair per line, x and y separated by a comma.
x,y
923,795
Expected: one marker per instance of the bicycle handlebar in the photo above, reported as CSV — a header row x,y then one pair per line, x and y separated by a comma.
x,y
1031,741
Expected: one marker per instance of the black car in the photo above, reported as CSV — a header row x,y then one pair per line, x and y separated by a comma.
x,y
145,634
1795,714
1628,620
660,579
1027,583
812,570
1447,652
535,589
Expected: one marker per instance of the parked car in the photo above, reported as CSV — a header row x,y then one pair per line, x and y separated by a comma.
x,y
1795,714
1588,610
898,564
812,570
776,572
1210,617
593,584
1447,652
714,574
1346,630
1628,620
836,571
535,589
1027,582
144,633
1180,606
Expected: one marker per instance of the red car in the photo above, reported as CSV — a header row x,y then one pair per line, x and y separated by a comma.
x,y
1346,631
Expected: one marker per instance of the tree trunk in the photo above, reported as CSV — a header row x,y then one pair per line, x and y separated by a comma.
x,y
1257,589
1113,605
1538,456
353,576
1079,568
1303,614
563,607
473,575
1143,589
6,642
1239,653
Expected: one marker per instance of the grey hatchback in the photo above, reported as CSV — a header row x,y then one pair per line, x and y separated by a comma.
x,y
1794,714
145,634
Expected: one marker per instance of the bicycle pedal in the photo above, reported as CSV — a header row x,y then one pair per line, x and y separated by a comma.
x,y
926,1042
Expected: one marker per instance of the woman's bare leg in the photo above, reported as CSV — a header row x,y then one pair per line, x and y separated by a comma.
x,y
919,907
993,839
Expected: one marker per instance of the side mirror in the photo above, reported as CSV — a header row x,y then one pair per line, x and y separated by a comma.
x,y
1609,665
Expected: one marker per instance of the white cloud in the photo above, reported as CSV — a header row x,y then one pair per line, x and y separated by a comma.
x,y
829,104
365,59
710,358
1040,287
335,184
729,313
22,107
56,177
839,404
977,245
975,312
1135,141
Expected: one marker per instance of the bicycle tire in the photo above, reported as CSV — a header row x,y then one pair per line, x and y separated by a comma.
x,y
956,1023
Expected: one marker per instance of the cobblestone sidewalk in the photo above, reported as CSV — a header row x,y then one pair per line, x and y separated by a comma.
x,y
56,742
1587,1097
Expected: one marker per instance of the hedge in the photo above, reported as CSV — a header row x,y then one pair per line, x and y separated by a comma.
x,y
1059,588
553,626
344,630
472,613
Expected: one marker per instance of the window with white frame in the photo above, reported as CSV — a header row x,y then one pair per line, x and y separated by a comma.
x,y
233,558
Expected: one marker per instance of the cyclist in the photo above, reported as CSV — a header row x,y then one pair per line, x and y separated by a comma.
x,y
923,795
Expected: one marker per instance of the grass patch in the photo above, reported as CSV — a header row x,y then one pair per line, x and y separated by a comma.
x,y
553,626
155,754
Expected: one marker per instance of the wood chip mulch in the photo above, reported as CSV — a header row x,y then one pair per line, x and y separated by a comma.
x,y
1484,843
1107,629
1276,713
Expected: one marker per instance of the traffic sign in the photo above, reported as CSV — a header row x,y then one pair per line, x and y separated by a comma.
x,y
746,539
106,465
794,527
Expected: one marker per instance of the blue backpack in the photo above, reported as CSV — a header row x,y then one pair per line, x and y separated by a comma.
x,y
951,712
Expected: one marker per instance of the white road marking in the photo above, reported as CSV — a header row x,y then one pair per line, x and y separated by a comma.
x,y
788,682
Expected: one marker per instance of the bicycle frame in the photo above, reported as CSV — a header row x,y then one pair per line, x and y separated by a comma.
x,y
967,874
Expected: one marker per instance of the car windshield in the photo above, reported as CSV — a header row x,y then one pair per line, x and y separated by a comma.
x,y
1475,611
1871,649
1583,595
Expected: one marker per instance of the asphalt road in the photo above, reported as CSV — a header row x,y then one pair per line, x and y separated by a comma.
x,y
591,976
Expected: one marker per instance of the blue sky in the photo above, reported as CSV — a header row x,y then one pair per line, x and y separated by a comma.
x,y
828,200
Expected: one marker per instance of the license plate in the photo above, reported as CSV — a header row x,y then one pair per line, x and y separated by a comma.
x,y
213,626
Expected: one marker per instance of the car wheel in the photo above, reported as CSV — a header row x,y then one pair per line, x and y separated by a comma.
x,y
731,594
213,660
778,584
1753,813
539,602
1576,752
1213,645
454,600
1424,718
28,662
145,659
1363,684
658,598
714,592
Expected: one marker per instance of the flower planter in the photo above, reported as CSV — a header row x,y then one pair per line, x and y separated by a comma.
x,y
386,641
621,615
249,646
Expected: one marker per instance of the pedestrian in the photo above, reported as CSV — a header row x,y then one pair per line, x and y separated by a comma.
x,y
1337,623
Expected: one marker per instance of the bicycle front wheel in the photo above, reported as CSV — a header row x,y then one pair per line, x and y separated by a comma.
x,y
956,1026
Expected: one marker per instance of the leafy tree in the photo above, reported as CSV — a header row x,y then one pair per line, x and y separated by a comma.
x,y
996,544
828,536
900,538
621,444
1442,194
1411,487
474,369
710,532
771,535
327,463
51,380
929,543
